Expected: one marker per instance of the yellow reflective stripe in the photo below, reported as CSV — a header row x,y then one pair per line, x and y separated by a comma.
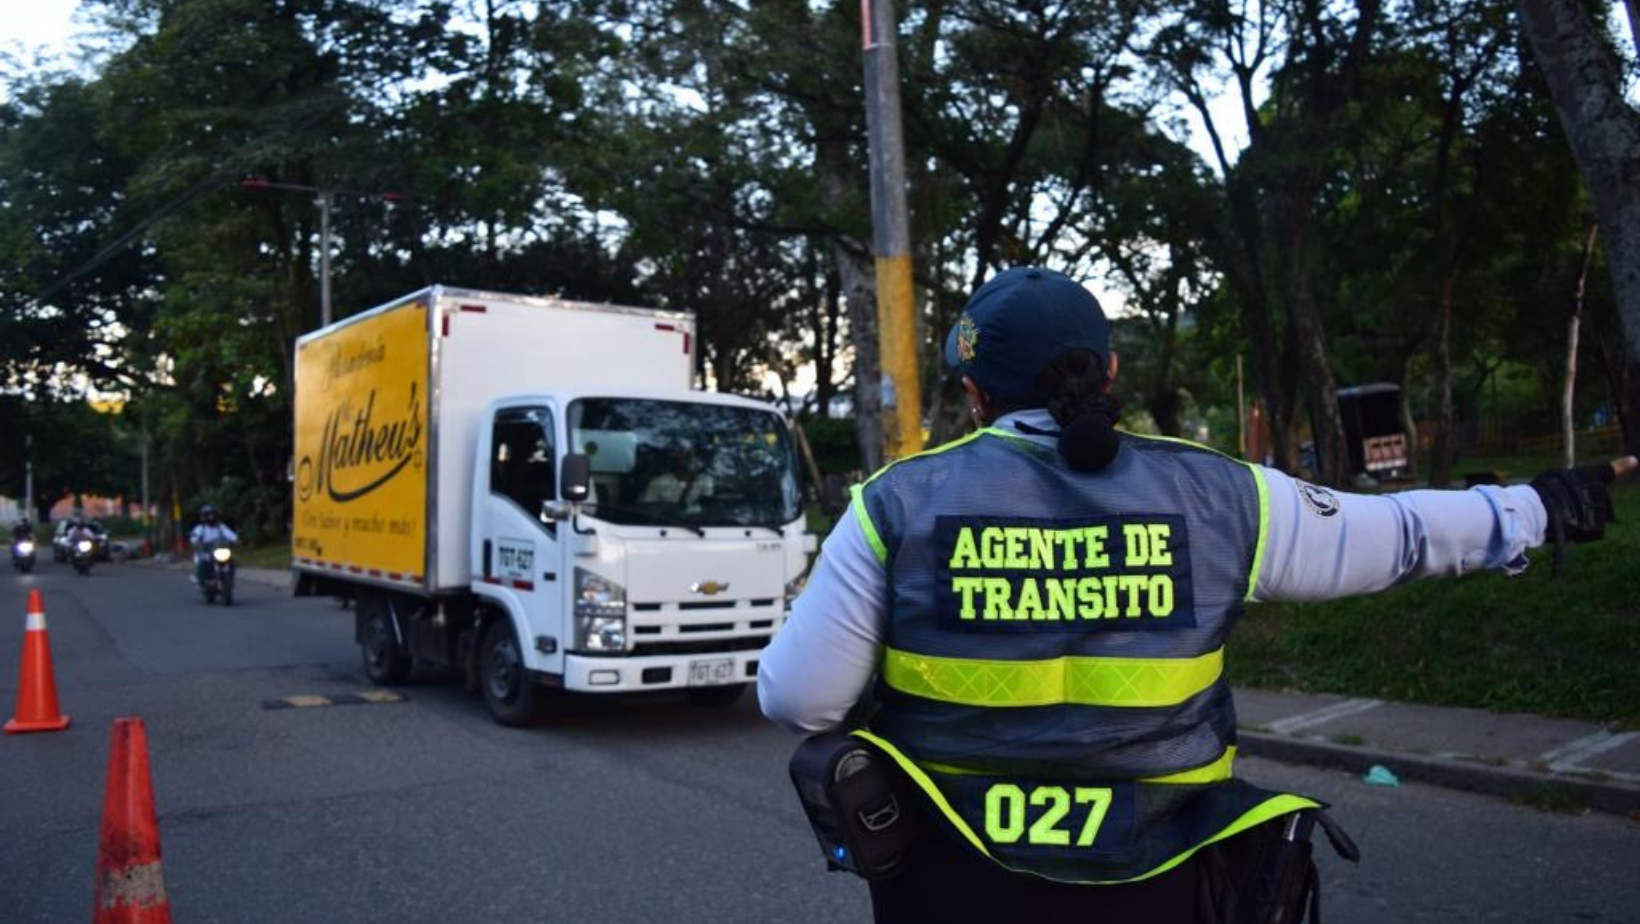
x,y
943,447
868,527
1215,772
1273,807
1011,437
1052,682
1263,527
929,789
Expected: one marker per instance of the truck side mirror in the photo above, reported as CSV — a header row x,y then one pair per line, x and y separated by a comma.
x,y
576,481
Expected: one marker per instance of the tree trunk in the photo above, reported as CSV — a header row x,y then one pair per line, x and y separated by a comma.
x,y
825,340
1605,139
1304,317
1568,424
1443,452
860,294
1408,424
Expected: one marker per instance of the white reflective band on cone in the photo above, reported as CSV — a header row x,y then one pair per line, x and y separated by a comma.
x,y
36,622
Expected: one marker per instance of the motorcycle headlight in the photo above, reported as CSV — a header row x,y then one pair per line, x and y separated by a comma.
x,y
600,614
25,548
222,555
84,545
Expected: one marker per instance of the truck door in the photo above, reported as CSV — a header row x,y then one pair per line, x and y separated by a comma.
x,y
518,559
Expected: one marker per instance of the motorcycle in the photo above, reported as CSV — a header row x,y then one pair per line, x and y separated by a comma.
x,y
216,573
22,555
83,554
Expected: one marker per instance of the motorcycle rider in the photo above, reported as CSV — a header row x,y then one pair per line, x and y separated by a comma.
x,y
22,530
81,531
208,532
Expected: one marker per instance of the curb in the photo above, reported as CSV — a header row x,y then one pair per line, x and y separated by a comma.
x,y
1509,780
264,577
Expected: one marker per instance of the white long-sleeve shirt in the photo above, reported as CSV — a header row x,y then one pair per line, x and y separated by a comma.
x,y
205,533
1320,544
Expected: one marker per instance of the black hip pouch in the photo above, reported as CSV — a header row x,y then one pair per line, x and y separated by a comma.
x,y
860,804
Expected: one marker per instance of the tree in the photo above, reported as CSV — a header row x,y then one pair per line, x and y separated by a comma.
x,y
1604,131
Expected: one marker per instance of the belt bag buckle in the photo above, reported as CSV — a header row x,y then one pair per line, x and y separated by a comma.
x,y
858,802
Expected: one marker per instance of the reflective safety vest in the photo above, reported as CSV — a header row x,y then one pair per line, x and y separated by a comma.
x,y
1053,676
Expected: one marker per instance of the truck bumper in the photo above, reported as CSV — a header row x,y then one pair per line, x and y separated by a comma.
x,y
659,672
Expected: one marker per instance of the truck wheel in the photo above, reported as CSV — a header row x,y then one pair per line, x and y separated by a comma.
x,y
716,697
384,662
511,696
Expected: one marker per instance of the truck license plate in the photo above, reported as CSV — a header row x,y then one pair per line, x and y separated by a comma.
x,y
711,673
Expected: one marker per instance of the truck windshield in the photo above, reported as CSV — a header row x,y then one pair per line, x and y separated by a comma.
x,y
702,464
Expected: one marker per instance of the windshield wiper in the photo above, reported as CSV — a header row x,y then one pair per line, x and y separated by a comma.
x,y
668,520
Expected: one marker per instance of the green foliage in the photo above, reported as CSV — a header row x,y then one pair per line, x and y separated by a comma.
x,y
836,452
712,157
76,450
1532,643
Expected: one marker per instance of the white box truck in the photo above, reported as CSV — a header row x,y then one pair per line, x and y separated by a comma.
x,y
529,489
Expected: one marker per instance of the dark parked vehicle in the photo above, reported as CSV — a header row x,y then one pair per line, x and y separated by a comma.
x,y
1373,432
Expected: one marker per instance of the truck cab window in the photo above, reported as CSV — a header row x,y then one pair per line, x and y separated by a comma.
x,y
521,458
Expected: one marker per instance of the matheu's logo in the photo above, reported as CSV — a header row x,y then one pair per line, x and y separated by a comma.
x,y
709,588
358,453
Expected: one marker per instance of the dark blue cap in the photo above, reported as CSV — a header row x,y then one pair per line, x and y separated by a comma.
x,y
1018,323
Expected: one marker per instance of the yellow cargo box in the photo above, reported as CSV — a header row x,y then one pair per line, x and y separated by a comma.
x,y
362,432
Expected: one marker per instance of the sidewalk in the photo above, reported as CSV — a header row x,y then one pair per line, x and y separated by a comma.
x,y
1559,762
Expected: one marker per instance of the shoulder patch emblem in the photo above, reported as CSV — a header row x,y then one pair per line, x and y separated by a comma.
x,y
1322,502
967,338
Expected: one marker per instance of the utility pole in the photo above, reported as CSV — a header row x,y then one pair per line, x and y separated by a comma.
x,y
1241,413
891,232
28,477
325,315
147,521
324,198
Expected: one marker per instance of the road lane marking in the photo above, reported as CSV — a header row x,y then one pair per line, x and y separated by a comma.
x,y
1323,715
314,701
1567,757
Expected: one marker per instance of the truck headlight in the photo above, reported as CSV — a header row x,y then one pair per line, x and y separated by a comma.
x,y
25,548
600,614
222,555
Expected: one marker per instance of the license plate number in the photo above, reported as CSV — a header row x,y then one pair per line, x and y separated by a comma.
x,y
711,673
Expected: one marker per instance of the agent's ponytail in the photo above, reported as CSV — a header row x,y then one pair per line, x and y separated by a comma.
x,y
1075,386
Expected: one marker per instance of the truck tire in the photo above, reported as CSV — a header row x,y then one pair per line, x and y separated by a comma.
x,y
716,697
385,662
512,697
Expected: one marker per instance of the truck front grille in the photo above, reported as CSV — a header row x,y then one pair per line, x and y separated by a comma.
x,y
706,646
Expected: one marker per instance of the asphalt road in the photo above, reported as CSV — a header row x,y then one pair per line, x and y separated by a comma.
x,y
639,810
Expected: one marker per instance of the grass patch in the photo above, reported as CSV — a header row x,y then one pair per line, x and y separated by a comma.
x,y
273,556
1353,741
1562,647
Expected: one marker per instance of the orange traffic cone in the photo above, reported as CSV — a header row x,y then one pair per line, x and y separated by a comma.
x,y
130,883
36,687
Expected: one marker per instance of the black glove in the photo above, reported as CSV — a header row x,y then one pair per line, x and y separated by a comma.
x,y
1577,504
